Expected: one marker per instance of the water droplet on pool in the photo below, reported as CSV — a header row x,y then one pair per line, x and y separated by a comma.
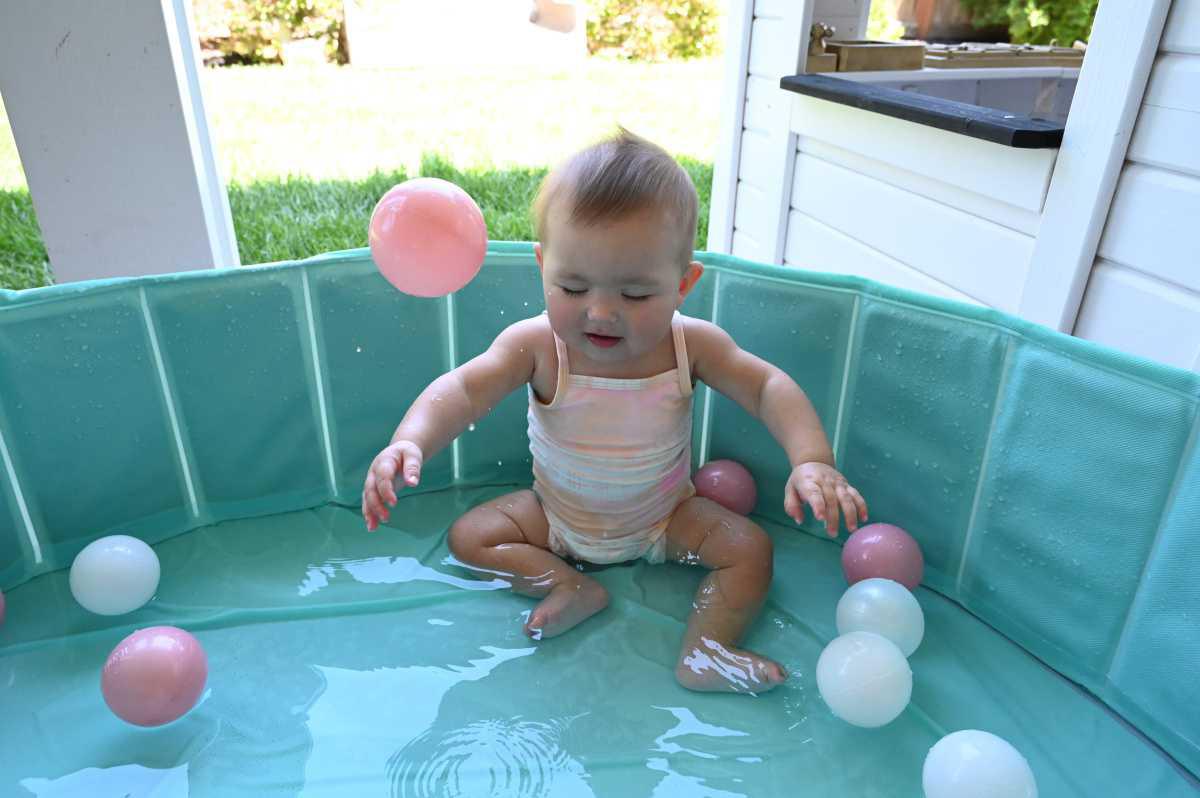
x,y
470,428
358,349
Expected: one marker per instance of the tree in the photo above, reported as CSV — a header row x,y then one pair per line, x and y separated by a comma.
x,y
1037,21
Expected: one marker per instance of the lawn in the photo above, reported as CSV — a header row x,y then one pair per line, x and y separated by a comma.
x,y
307,151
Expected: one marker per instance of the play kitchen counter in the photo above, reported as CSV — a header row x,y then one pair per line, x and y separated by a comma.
x,y
934,177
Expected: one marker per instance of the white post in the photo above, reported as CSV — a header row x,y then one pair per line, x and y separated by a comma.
x,y
733,109
105,106
1109,95
785,55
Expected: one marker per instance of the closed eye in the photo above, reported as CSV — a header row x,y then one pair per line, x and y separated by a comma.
x,y
636,298
573,291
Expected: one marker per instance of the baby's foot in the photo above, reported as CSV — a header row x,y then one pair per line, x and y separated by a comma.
x,y
710,666
565,606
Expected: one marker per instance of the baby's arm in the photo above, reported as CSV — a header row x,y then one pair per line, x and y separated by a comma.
x,y
444,409
768,393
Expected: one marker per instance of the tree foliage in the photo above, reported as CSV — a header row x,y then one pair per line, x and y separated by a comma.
x,y
1036,21
653,30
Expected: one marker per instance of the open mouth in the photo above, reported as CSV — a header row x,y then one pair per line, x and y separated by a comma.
x,y
603,341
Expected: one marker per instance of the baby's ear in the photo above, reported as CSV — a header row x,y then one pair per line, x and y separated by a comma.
x,y
537,253
690,278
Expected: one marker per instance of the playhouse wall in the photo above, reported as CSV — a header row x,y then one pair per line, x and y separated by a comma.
x,y
1143,295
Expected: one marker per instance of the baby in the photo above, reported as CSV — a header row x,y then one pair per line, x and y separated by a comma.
x,y
611,367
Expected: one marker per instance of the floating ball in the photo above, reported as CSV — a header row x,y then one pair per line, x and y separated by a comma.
x,y
884,607
729,484
883,550
427,237
864,678
154,676
976,764
114,575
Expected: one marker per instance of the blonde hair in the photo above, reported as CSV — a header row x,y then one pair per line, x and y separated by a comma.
x,y
619,175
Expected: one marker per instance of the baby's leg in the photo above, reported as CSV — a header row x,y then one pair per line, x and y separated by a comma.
x,y
509,537
740,554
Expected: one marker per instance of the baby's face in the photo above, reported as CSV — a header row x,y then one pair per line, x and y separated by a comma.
x,y
612,288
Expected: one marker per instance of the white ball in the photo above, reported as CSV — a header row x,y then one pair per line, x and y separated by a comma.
x,y
885,608
114,575
976,764
864,678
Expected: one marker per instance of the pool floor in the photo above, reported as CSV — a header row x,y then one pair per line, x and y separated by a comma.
x,y
354,664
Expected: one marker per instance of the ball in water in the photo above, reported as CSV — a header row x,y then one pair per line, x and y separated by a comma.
x,y
427,237
729,484
154,676
114,575
976,764
864,678
886,551
884,607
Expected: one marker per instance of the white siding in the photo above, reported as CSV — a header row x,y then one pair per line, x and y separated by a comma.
x,y
1143,295
766,150
940,242
1141,315
1014,176
815,245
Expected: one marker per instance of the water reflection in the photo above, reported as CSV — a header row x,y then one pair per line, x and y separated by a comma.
x,y
497,758
680,785
128,781
388,571
362,717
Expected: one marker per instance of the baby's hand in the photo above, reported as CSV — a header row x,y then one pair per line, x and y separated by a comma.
x,y
379,493
825,490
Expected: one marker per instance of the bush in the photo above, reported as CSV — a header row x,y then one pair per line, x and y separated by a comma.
x,y
254,31
653,30
1036,21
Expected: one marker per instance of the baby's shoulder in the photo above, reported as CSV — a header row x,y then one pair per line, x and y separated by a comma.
x,y
702,336
533,337
532,332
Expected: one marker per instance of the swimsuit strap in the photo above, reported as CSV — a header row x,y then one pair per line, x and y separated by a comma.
x,y
681,355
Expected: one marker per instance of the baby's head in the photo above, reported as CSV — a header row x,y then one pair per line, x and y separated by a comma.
x,y
616,224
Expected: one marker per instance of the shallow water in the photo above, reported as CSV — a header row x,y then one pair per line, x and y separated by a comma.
x,y
348,663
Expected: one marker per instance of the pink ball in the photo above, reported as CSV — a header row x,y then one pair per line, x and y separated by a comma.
x,y
427,237
729,484
154,676
885,551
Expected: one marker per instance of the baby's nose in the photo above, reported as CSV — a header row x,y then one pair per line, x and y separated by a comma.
x,y
602,311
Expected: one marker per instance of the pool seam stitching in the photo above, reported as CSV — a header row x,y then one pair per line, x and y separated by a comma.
x,y
169,400
318,378
1005,371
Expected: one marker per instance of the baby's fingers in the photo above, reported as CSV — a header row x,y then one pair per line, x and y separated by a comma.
x,y
815,499
383,476
793,505
859,501
849,506
373,502
832,508
369,512
411,467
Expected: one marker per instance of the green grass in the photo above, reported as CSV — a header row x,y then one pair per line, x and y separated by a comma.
x,y
295,217
22,253
308,152
291,218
